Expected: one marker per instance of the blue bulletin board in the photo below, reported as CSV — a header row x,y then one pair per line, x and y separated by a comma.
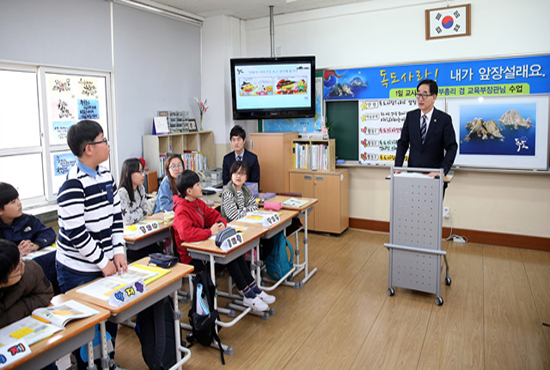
x,y
510,95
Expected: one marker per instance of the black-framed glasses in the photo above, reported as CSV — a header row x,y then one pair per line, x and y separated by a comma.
x,y
240,173
104,141
423,96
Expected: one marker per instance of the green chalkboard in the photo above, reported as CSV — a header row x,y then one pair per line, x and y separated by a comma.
x,y
343,117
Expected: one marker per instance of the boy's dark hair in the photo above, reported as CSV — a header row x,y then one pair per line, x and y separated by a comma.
x,y
9,259
431,84
82,134
237,130
7,194
237,165
171,180
129,166
186,180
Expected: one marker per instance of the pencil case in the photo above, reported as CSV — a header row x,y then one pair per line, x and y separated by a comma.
x,y
162,260
272,206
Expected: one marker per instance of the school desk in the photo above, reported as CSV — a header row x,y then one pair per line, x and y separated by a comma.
x,y
303,211
286,217
138,242
76,334
208,251
166,285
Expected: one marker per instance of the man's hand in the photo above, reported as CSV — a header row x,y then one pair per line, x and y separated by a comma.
x,y
396,172
433,174
26,247
109,269
120,263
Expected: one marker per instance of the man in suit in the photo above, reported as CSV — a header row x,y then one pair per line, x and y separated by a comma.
x,y
237,137
428,132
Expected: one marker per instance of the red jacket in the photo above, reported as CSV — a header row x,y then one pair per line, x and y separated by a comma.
x,y
192,223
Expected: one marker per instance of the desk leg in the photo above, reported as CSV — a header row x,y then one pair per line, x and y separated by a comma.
x,y
179,347
91,364
305,265
104,354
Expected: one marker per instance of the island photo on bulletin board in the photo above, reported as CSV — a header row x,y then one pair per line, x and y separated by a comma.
x,y
506,132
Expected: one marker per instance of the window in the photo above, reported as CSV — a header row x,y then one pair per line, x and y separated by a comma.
x,y
37,107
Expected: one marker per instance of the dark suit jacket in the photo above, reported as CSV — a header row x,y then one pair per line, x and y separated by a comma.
x,y
439,149
251,160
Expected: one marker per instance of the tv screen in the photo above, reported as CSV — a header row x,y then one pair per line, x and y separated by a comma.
x,y
281,87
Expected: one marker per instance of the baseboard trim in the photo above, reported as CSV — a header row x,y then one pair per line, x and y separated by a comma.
x,y
474,236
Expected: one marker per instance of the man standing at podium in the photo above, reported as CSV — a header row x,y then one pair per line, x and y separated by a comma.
x,y
428,132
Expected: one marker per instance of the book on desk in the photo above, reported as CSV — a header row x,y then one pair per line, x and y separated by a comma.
x,y
102,288
44,322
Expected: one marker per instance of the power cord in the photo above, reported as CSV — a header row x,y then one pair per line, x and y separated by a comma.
x,y
456,238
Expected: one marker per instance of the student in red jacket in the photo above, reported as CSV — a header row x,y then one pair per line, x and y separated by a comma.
x,y
194,221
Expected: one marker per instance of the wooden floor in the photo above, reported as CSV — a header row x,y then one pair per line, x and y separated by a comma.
x,y
343,318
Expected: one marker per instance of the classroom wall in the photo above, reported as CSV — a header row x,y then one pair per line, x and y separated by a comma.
x,y
383,33
154,60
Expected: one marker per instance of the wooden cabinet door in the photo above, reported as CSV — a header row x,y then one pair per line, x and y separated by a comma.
x,y
327,210
303,183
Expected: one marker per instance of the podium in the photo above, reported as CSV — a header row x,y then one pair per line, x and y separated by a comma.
x,y
415,232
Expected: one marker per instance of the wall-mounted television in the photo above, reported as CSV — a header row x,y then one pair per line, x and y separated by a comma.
x,y
280,87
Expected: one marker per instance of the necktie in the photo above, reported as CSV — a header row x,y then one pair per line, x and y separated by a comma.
x,y
423,128
239,158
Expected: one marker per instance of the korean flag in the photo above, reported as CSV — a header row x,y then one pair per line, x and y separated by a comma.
x,y
447,22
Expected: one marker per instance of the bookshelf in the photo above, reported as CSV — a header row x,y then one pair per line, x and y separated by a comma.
x,y
156,145
312,155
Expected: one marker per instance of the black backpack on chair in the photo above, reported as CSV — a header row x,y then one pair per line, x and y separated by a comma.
x,y
202,316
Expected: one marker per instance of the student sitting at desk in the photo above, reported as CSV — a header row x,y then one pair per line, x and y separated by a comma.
x,y
172,167
27,231
133,201
195,221
23,287
91,241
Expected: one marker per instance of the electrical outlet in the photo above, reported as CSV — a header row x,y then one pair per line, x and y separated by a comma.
x,y
446,212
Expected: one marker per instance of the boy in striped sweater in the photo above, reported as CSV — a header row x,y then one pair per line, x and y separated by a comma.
x,y
90,242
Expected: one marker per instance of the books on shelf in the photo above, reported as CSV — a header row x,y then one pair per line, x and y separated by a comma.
x,y
311,156
44,322
192,160
102,288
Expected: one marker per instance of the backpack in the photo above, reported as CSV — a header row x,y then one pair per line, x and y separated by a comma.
x,y
202,316
155,330
278,263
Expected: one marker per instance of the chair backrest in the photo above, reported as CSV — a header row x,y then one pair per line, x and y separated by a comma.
x,y
152,182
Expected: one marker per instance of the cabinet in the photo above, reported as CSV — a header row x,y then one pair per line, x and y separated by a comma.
x,y
331,188
155,145
274,151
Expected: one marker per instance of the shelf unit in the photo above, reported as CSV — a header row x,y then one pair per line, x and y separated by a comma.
x,y
155,145
331,188
330,144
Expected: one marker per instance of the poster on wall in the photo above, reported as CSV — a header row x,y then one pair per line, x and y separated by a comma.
x,y
71,98
380,123
302,125
502,132
62,163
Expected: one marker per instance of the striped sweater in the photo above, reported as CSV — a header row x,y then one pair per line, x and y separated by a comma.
x,y
90,221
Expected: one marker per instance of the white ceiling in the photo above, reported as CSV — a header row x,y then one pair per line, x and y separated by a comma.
x,y
249,9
